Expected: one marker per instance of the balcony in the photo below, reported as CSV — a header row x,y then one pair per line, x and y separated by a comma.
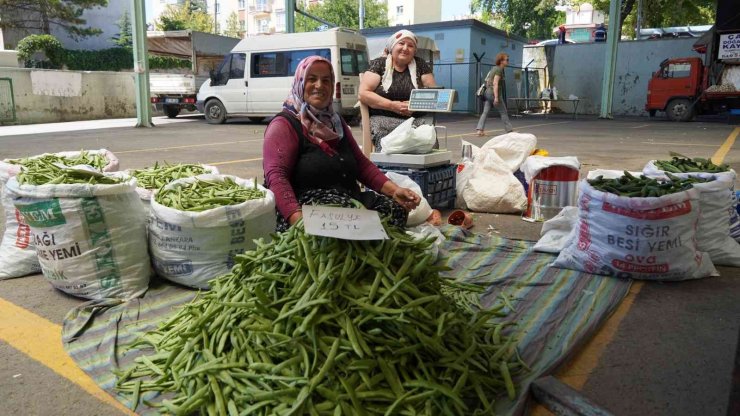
x,y
260,8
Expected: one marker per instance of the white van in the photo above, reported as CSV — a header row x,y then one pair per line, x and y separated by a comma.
x,y
256,77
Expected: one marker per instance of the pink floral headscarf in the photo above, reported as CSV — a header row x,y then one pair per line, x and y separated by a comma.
x,y
320,124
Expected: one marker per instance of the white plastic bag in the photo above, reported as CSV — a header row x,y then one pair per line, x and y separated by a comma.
x,y
17,254
512,148
492,187
407,139
535,164
192,248
424,231
90,239
636,238
557,231
419,214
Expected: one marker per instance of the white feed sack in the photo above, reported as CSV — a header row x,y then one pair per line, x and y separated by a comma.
x,y
192,248
146,194
17,254
637,238
90,239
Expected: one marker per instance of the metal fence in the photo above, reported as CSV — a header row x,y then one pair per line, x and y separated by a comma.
x,y
7,101
466,77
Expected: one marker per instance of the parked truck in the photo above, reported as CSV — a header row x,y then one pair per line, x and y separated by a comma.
x,y
173,90
686,87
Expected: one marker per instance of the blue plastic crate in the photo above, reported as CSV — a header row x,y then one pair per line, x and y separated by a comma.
x,y
437,183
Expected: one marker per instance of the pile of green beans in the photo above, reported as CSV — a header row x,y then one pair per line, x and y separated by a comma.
x,y
685,165
642,186
321,326
201,195
157,176
47,173
96,160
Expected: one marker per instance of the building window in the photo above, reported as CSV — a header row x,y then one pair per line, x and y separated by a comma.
x,y
280,21
217,7
482,41
242,25
399,10
263,25
241,4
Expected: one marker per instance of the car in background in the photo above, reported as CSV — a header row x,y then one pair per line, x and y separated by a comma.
x,y
551,42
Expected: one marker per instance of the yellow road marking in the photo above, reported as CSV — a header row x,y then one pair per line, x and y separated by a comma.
x,y
234,161
185,146
681,144
719,156
42,341
641,126
515,129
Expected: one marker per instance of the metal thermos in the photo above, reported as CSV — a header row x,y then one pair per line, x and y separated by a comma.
x,y
467,151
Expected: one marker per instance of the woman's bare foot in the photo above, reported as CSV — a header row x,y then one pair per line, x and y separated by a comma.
x,y
479,133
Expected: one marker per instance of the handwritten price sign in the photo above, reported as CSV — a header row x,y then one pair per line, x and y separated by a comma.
x,y
343,223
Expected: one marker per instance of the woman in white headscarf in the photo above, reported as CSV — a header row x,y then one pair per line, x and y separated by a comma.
x,y
387,84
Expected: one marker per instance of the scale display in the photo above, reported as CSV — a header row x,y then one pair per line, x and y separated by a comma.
x,y
436,100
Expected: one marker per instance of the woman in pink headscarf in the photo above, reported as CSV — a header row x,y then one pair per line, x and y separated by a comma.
x,y
387,84
310,156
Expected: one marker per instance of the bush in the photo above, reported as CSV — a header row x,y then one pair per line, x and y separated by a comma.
x,y
48,44
113,59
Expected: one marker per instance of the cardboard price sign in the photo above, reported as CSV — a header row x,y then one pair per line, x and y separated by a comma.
x,y
343,223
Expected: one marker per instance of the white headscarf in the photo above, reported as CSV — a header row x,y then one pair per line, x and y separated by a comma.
x,y
387,79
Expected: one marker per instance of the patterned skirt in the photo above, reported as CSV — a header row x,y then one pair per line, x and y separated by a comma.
x,y
386,207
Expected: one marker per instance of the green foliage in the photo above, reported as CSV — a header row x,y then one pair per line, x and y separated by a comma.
x,y
514,15
38,16
124,38
187,15
344,13
113,59
48,44
168,62
233,28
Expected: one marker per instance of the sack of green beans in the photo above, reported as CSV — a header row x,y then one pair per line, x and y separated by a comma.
x,y
90,238
17,254
197,225
636,237
683,167
151,178
713,232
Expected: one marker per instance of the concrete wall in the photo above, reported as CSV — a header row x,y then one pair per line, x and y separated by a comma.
x,y
49,96
578,69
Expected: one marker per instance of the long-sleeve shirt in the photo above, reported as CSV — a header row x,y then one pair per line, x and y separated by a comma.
x,y
281,151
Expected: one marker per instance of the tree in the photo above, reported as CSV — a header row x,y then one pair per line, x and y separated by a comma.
x,y
181,17
233,28
124,38
527,18
38,16
344,13
659,13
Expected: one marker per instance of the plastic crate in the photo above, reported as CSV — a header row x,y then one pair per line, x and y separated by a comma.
x,y
437,184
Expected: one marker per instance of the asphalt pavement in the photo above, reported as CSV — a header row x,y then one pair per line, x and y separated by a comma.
x,y
668,350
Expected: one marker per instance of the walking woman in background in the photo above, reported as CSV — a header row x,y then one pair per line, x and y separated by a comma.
x,y
496,94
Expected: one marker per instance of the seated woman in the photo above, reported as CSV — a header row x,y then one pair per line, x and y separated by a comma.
x,y
386,86
310,156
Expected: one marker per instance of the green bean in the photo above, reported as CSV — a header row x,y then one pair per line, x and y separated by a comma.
x,y
190,196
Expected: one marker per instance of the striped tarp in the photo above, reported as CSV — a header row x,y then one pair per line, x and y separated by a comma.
x,y
556,310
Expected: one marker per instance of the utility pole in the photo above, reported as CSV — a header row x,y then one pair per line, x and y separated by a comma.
x,y
141,65
362,14
610,63
215,17
289,16
639,19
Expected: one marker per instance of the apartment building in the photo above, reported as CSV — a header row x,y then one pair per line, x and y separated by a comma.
x,y
411,12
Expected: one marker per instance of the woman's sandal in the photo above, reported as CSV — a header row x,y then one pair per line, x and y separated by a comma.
x,y
480,133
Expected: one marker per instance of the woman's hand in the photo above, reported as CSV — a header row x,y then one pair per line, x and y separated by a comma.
x,y
295,217
495,100
401,107
406,198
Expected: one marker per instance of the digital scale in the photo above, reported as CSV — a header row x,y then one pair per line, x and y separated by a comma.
x,y
432,100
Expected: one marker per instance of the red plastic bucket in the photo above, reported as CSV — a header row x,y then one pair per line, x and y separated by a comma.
x,y
550,190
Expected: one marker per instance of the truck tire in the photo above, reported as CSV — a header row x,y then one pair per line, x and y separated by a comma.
x,y
215,112
680,109
256,119
171,111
